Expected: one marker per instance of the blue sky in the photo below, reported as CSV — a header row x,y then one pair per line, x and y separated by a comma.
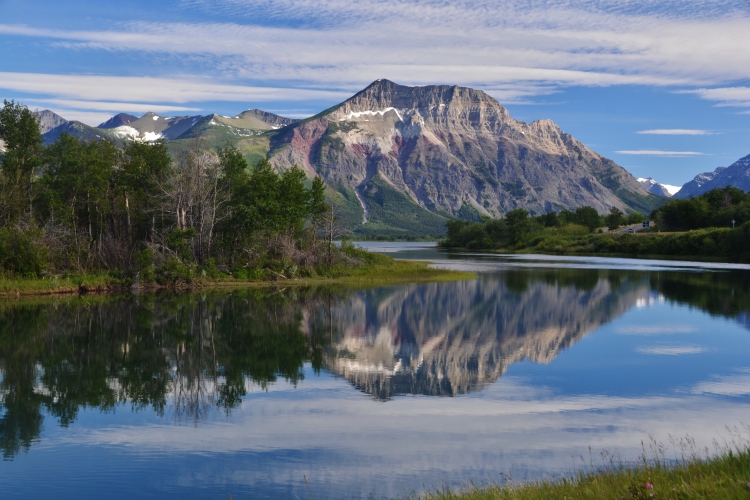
x,y
660,86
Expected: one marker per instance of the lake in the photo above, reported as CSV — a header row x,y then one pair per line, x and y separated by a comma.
x,y
537,368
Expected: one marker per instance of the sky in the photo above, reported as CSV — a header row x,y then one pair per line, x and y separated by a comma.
x,y
662,87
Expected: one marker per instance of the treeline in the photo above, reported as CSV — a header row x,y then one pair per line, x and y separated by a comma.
x,y
697,227
518,228
716,208
139,213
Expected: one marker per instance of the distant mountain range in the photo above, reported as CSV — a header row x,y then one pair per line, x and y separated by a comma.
x,y
403,160
654,187
736,175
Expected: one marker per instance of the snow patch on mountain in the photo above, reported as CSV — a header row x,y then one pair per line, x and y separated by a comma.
x,y
381,112
657,188
125,131
152,136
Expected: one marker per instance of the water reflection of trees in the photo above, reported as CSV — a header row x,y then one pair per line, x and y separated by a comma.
x,y
186,355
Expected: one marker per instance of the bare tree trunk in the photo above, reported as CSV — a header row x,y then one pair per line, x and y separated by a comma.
x,y
127,211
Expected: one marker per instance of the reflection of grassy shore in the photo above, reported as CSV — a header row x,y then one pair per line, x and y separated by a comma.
x,y
372,269
725,475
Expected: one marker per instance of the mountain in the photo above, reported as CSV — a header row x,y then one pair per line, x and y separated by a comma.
x,y
48,120
405,158
77,129
654,187
118,120
736,175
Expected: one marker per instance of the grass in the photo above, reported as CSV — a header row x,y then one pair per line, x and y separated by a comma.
x,y
724,475
379,270
57,284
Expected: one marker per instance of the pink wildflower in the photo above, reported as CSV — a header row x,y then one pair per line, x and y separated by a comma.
x,y
649,486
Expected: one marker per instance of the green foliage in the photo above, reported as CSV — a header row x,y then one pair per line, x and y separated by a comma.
x,y
22,252
716,208
20,163
469,213
615,218
551,232
405,217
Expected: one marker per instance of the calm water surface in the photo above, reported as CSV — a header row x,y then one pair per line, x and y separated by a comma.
x,y
347,393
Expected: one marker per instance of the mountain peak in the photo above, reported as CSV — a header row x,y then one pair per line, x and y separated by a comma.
x,y
48,120
118,120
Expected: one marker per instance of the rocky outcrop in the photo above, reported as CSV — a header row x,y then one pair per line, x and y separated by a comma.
x,y
48,120
454,150
736,175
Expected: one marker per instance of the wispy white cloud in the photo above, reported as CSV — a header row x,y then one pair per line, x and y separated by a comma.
x,y
723,96
671,350
730,385
676,131
494,44
95,89
111,106
656,329
657,152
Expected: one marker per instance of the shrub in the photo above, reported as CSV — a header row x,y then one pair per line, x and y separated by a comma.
x,y
22,252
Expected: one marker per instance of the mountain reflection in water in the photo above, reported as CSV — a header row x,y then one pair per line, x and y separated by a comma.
x,y
186,356
445,339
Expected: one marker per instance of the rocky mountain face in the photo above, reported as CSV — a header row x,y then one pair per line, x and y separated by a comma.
x,y
118,120
451,151
657,188
48,120
736,175
394,341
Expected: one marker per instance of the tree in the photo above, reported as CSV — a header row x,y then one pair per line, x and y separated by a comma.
x,y
20,162
144,168
588,216
614,218
517,225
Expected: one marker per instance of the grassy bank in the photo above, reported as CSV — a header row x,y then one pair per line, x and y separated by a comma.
x,y
711,244
373,270
722,477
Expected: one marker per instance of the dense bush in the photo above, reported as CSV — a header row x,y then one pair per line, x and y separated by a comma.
x,y
22,252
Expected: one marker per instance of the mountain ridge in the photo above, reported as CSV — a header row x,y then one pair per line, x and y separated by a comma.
x,y
736,175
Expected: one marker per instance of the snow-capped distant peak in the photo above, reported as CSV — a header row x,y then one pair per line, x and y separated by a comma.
x,y
657,188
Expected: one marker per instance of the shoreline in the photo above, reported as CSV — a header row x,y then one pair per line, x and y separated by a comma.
x,y
393,273
723,475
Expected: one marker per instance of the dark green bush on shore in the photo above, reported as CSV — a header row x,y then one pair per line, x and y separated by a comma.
x,y
22,252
